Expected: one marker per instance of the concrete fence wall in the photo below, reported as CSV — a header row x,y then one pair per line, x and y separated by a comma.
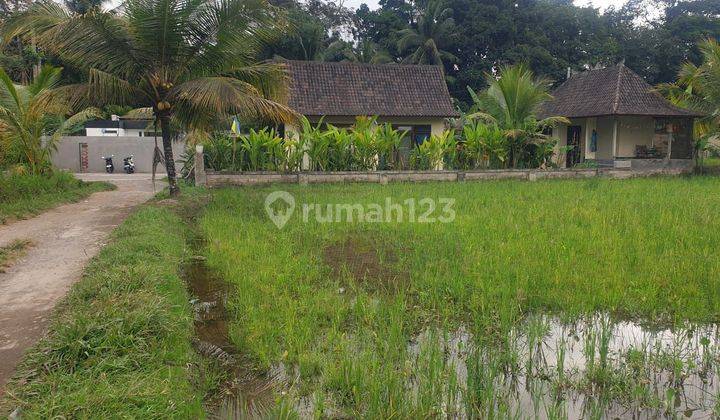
x,y
68,155
213,179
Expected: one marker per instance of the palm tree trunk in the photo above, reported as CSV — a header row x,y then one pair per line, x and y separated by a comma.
x,y
167,150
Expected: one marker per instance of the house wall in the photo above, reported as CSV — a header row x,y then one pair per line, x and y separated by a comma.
x,y
633,131
437,125
604,131
142,149
118,132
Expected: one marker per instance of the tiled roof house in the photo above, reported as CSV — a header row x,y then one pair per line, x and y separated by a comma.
x,y
618,119
413,98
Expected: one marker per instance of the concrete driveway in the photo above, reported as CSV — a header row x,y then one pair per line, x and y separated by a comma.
x,y
65,238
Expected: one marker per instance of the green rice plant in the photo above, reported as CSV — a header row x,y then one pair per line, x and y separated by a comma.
x,y
311,294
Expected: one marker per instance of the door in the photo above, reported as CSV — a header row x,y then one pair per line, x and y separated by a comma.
x,y
573,143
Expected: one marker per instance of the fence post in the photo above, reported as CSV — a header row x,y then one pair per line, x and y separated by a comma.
x,y
200,175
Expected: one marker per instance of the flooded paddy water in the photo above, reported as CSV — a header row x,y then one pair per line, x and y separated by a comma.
x,y
593,367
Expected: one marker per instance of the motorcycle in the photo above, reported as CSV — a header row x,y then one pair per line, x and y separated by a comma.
x,y
129,165
109,167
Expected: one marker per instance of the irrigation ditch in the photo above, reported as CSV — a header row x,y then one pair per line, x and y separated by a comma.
x,y
243,392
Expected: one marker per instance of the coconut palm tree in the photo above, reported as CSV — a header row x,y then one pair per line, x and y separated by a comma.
x,y
426,40
698,88
511,102
187,62
32,119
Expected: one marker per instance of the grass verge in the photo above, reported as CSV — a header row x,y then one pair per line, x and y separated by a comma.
x,y
26,195
119,346
10,253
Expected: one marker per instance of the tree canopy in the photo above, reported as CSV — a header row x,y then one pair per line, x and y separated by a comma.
x,y
475,37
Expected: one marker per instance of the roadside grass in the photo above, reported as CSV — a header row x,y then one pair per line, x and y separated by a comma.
x,y
340,304
26,195
10,253
120,343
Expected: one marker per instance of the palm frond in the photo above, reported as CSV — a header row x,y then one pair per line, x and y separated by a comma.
x,y
200,99
108,88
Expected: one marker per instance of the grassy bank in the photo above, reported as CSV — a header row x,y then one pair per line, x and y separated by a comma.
x,y
120,344
341,304
25,195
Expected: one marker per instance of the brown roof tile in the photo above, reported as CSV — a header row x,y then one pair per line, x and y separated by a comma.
x,y
350,89
615,90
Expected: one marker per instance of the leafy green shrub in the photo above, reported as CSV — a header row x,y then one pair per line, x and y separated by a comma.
x,y
365,143
339,149
388,142
485,145
434,152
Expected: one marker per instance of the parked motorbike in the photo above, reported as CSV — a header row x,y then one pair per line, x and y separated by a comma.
x,y
129,165
109,167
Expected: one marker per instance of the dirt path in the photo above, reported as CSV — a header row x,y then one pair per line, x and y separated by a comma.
x,y
65,239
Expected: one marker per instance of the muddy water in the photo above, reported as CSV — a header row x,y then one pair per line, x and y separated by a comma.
x,y
246,392
592,368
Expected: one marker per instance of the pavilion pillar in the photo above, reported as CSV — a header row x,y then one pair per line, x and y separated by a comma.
x,y
615,139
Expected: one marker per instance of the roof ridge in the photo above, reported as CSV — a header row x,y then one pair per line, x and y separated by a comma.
x,y
359,64
616,100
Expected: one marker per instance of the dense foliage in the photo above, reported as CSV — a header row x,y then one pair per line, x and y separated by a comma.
x,y
698,87
32,118
473,37
194,63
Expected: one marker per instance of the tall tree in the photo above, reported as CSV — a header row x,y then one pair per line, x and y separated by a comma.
x,y
698,87
426,41
192,62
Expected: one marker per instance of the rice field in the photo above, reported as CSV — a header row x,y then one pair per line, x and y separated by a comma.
x,y
553,299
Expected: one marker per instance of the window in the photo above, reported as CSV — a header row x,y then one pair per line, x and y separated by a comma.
x,y
106,131
417,134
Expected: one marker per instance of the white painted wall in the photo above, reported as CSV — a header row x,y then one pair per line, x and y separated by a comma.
x,y
634,131
116,132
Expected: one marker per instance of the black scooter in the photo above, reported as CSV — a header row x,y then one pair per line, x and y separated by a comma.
x,y
109,167
129,165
